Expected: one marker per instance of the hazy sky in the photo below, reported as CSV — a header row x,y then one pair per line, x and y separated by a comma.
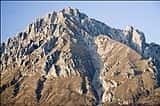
x,y
145,16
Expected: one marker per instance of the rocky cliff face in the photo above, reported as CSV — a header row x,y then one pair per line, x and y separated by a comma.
x,y
67,58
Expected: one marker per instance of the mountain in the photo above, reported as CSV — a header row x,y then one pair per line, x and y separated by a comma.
x,y
66,58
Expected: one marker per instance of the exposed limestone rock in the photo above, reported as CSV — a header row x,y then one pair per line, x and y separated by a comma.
x,y
48,46
134,38
130,69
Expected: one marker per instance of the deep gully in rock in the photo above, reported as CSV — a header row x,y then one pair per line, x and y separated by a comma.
x,y
96,84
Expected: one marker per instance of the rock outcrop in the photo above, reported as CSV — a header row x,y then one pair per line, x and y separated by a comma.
x,y
67,58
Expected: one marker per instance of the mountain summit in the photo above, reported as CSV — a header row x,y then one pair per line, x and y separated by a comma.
x,y
66,59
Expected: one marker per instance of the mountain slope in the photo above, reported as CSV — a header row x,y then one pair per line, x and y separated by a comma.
x,y
67,58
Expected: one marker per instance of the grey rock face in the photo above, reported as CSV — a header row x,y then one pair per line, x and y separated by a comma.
x,y
152,51
51,59
48,46
30,49
135,39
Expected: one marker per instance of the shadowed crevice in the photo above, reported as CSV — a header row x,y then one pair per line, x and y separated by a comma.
x,y
40,85
14,82
58,69
52,59
83,85
89,64
16,89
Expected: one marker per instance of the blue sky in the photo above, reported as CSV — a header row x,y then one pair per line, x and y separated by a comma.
x,y
145,16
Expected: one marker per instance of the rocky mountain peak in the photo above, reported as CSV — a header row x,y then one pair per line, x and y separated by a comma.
x,y
129,28
67,58
71,11
135,38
